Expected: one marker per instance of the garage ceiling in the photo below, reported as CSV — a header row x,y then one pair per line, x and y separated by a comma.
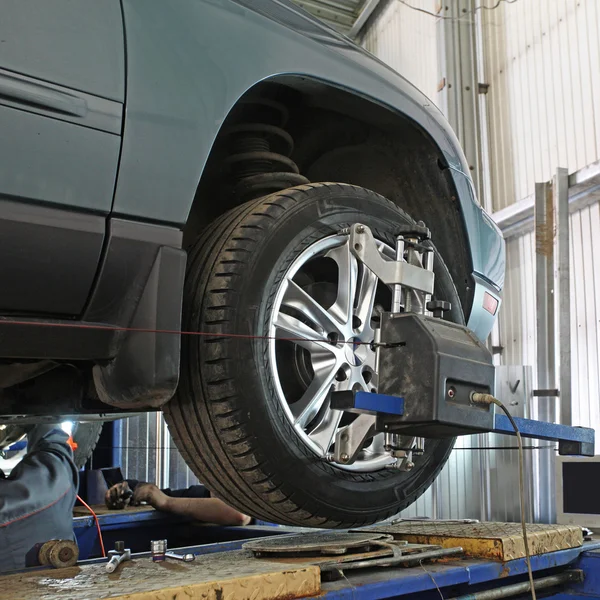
x,y
347,16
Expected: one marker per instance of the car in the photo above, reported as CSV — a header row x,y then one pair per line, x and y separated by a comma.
x,y
177,180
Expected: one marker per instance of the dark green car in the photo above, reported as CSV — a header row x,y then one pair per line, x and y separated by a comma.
x,y
194,165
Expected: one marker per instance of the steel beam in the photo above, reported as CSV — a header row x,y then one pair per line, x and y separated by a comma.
x,y
584,190
553,432
560,191
545,503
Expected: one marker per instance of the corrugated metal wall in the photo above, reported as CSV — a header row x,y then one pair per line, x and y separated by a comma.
x,y
585,316
542,61
517,321
406,40
149,454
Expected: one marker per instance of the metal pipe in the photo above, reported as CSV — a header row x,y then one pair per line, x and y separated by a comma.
x,y
522,588
544,500
412,297
389,441
397,289
158,456
391,561
427,264
561,201
419,445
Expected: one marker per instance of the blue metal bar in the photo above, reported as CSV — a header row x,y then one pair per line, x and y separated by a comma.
x,y
378,403
117,450
392,583
544,431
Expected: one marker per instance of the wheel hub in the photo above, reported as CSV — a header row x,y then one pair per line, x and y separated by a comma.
x,y
326,304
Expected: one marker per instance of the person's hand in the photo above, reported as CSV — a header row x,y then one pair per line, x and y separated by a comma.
x,y
118,496
150,494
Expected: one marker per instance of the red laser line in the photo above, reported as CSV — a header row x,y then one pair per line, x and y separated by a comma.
x,y
4,321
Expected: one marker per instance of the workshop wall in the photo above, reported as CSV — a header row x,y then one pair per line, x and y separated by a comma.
x,y
149,454
395,34
542,61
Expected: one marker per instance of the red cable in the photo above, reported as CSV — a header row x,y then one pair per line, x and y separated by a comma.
x,y
97,525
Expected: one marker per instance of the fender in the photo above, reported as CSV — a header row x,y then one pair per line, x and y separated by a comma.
x,y
184,74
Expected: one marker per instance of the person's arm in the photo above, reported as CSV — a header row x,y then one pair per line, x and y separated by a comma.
x,y
208,510
45,475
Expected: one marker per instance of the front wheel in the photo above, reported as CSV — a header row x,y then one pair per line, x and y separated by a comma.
x,y
252,414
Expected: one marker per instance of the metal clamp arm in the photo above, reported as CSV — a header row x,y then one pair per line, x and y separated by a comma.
x,y
391,272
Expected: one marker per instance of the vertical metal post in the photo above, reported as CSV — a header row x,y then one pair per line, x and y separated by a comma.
x,y
544,285
457,35
434,499
124,464
166,454
159,450
546,344
527,379
485,488
560,190
117,449
147,446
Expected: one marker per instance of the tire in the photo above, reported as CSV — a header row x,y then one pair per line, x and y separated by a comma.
x,y
86,436
227,418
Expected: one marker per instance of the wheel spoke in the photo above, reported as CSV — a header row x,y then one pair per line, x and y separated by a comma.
x,y
366,297
288,327
343,309
295,297
312,400
324,433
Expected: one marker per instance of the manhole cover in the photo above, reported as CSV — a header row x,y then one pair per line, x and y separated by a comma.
x,y
319,542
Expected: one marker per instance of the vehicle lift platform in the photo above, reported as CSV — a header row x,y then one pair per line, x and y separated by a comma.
x,y
419,558
447,392
491,566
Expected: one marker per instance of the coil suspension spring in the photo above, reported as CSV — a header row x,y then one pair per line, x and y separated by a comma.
x,y
260,149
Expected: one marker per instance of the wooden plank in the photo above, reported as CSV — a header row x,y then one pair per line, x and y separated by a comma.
x,y
100,509
222,576
496,541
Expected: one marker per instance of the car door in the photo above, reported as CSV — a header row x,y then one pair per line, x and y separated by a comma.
x,y
62,88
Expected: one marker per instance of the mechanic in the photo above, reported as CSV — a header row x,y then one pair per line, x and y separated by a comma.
x,y
37,498
194,502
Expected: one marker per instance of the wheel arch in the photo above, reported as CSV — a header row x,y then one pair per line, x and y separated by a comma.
x,y
342,135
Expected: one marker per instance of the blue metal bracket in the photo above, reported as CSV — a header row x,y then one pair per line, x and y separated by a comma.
x,y
367,403
571,440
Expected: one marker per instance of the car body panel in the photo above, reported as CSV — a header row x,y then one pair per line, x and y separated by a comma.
x,y
78,44
189,61
75,167
40,271
62,87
